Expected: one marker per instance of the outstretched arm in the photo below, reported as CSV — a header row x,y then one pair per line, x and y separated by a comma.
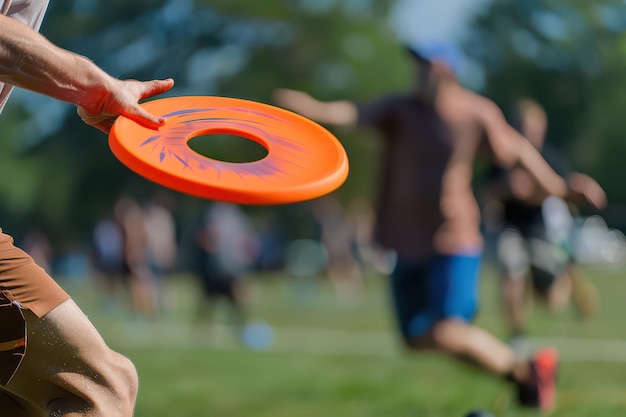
x,y
512,149
338,113
28,60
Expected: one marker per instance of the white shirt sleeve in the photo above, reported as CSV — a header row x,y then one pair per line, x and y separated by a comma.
x,y
29,12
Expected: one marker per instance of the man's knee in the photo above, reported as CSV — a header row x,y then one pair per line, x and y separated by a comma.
x,y
69,369
114,395
447,334
124,386
436,336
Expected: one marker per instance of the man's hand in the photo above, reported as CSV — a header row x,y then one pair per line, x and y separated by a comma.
x,y
122,98
291,99
584,189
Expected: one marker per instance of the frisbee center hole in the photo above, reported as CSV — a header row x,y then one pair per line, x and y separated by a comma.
x,y
227,148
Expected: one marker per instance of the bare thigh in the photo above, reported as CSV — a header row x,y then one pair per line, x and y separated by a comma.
x,y
68,370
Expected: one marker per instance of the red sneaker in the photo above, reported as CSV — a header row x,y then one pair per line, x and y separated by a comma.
x,y
540,390
544,366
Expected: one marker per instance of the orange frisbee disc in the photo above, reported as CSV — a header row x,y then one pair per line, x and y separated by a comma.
x,y
303,160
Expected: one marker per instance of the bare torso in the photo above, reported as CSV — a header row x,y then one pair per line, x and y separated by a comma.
x,y
426,204
460,230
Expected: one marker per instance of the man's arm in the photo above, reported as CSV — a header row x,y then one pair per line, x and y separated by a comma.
x,y
337,113
511,148
28,60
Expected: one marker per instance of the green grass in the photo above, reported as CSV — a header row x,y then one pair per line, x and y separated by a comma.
x,y
335,359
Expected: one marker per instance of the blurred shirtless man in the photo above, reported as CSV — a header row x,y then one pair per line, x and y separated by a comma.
x,y
428,215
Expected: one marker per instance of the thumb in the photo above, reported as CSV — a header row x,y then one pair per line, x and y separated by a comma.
x,y
155,87
148,89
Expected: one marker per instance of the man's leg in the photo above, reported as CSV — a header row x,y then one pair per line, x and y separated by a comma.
x,y
514,304
470,343
452,304
68,371
559,294
534,377
514,262
584,292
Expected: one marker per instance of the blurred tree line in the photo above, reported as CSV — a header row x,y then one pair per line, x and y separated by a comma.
x,y
570,56
59,174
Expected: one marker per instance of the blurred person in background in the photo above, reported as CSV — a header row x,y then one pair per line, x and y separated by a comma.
x,y
534,233
427,212
338,237
63,367
137,263
108,245
37,245
162,242
227,248
368,253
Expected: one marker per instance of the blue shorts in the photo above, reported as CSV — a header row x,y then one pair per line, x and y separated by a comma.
x,y
443,287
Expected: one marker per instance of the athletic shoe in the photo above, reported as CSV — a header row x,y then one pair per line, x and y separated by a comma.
x,y
545,367
540,390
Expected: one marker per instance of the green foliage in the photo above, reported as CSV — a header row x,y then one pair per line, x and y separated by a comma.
x,y
66,177
569,55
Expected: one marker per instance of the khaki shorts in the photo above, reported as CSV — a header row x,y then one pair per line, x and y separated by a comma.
x,y
23,285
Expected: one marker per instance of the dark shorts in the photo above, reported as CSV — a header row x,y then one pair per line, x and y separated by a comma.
x,y
444,287
12,338
218,288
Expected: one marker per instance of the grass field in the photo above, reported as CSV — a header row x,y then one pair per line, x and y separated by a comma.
x,y
335,359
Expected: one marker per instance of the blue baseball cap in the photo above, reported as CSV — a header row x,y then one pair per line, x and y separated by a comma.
x,y
438,50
